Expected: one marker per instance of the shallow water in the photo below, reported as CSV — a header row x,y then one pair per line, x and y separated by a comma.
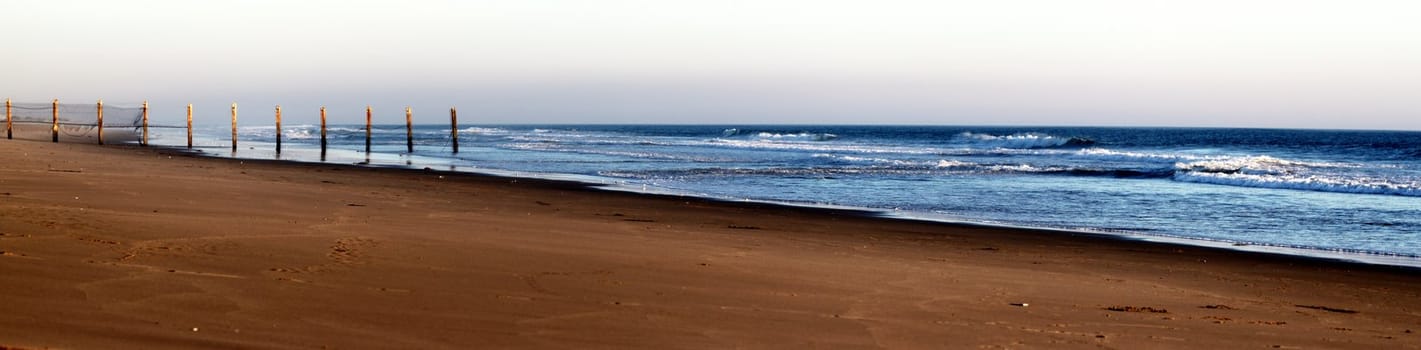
x,y
1322,191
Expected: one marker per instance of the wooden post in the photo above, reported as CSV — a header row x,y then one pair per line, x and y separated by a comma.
x,y
145,123
409,129
278,129
323,129
9,116
367,128
101,121
54,126
189,126
454,128
234,126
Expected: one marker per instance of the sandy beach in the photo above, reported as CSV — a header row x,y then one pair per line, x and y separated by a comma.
x,y
125,247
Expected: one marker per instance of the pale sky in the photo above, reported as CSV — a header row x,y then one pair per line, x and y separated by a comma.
x,y
1264,63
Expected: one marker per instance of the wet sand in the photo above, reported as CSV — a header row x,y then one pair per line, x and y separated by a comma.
x,y
126,247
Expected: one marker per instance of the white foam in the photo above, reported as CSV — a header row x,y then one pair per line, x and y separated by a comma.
x,y
1017,141
1257,165
552,147
1323,183
1021,168
1107,154
299,134
486,131
954,164
943,163
821,147
804,136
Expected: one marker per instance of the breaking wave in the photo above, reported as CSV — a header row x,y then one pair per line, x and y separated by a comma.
x,y
1338,184
1242,171
1022,140
1256,165
778,136
1270,172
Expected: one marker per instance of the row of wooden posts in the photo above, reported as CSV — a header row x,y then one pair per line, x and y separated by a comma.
x,y
54,126
369,112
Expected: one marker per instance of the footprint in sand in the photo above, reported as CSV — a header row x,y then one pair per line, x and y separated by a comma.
x,y
344,252
349,250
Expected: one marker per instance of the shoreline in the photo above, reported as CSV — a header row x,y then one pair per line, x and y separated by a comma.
x,y
139,247
1343,255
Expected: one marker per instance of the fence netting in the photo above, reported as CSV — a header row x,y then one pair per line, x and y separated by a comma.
x,y
78,122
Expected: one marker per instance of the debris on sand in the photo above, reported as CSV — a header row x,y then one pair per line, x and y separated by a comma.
x,y
1137,309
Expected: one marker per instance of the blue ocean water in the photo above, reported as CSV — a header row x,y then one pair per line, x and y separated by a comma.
x,y
1354,192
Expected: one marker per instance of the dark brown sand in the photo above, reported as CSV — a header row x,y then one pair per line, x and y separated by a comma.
x,y
122,247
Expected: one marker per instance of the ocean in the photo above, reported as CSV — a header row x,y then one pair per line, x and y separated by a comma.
x,y
1343,194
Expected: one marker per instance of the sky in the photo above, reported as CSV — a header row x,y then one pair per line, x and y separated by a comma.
x,y
1262,63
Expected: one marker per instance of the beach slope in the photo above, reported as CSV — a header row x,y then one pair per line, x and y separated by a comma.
x,y
125,247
